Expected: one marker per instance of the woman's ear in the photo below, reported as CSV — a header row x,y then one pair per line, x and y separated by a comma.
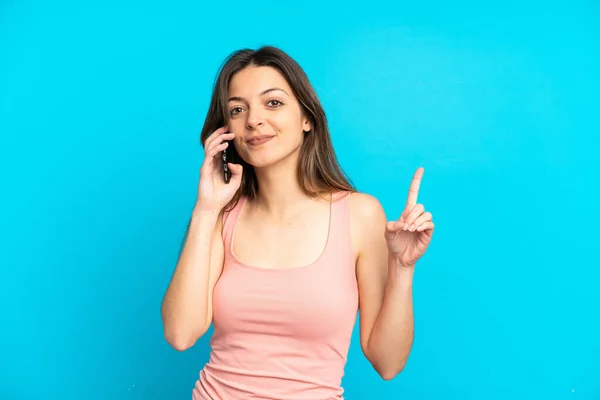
x,y
307,125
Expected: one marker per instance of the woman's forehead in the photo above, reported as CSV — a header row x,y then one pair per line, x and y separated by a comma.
x,y
255,81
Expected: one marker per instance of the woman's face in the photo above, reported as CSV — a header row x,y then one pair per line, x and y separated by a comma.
x,y
265,116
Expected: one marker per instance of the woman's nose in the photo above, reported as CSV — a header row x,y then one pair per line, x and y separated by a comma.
x,y
254,120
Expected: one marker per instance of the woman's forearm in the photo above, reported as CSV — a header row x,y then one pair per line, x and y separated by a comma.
x,y
392,336
185,305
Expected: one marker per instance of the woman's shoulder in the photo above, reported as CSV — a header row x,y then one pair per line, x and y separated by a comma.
x,y
232,208
364,206
367,219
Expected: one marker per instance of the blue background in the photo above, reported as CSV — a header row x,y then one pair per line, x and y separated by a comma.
x,y
100,111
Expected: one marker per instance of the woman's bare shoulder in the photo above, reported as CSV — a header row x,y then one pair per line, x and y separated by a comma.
x,y
364,205
366,217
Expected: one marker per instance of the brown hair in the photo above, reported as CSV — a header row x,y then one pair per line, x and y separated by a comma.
x,y
319,172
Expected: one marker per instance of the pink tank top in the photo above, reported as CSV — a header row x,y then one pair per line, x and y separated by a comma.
x,y
283,334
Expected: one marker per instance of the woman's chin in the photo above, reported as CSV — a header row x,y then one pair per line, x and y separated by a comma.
x,y
267,159
262,163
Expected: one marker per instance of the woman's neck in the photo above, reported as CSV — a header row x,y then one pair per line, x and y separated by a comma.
x,y
280,196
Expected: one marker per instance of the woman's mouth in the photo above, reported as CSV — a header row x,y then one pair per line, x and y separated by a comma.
x,y
258,140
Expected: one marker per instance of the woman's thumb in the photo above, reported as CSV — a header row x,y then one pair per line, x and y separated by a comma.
x,y
236,171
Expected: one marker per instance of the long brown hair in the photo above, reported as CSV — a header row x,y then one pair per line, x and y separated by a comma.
x,y
319,172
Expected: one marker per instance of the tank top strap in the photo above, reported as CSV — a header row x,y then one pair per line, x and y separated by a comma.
x,y
229,219
340,239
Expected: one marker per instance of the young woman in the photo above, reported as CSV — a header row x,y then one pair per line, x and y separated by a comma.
x,y
281,257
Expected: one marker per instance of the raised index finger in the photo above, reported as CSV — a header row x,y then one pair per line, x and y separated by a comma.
x,y
413,192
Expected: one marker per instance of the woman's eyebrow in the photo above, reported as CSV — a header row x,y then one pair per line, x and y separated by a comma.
x,y
236,98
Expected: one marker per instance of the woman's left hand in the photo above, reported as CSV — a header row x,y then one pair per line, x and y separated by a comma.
x,y
408,238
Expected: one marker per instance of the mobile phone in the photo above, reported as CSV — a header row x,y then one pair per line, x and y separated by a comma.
x,y
225,156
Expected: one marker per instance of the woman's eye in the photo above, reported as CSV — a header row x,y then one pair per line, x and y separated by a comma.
x,y
235,110
274,103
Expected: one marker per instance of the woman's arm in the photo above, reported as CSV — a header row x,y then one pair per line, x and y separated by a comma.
x,y
187,305
385,289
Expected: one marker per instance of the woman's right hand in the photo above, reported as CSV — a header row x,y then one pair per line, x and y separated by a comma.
x,y
213,192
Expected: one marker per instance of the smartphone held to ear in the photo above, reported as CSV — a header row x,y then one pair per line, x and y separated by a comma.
x,y
226,171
